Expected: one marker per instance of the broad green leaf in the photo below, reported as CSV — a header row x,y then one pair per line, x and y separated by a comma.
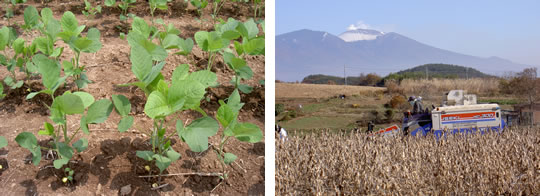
x,y
180,73
53,28
234,101
157,52
156,70
141,62
46,15
81,44
226,115
229,158
245,88
31,17
201,37
18,45
156,105
69,104
170,41
32,95
173,155
29,141
244,72
247,132
86,98
196,134
146,155
215,43
42,44
94,35
4,37
49,70
83,81
69,22
205,77
185,46
230,35
189,90
99,111
84,125
57,52
162,87
254,46
251,28
162,162
229,26
140,26
64,150
81,144
60,162
49,130
239,48
110,3
125,123
121,104
3,142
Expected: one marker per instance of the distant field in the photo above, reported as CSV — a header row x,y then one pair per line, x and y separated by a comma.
x,y
284,90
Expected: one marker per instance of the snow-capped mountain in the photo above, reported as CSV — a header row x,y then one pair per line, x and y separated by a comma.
x,y
360,34
304,52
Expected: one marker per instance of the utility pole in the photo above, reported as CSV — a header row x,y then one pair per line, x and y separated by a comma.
x,y
426,73
344,75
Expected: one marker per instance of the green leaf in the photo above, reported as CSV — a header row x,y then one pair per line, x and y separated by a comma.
x,y
3,142
196,134
245,88
4,37
31,17
53,28
18,45
162,162
64,150
42,44
69,22
49,70
69,104
244,72
146,155
32,95
226,115
201,37
229,158
49,130
28,140
125,123
46,15
254,46
185,46
81,145
205,77
251,28
170,41
173,155
156,70
81,43
95,45
215,43
60,162
99,111
247,132
121,104
86,98
180,73
110,3
140,26
234,101
191,91
84,125
141,62
156,106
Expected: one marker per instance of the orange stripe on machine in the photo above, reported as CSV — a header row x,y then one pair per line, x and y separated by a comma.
x,y
467,116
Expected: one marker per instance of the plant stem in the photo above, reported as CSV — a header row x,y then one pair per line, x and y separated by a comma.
x,y
72,136
65,129
210,59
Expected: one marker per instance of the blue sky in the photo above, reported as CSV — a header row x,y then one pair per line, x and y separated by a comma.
x,y
507,29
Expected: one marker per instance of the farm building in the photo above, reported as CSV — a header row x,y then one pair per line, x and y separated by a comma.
x,y
525,113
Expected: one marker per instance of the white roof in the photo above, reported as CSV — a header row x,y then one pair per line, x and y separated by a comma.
x,y
466,107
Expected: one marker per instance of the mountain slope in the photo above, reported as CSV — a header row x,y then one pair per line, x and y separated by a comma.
x,y
306,52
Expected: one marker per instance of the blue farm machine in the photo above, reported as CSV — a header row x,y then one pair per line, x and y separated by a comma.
x,y
459,113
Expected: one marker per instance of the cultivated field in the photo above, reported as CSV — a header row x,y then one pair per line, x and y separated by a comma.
x,y
354,164
284,90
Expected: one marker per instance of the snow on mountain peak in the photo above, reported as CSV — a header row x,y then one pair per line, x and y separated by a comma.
x,y
360,34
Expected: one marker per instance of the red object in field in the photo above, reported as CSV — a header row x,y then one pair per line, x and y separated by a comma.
x,y
386,131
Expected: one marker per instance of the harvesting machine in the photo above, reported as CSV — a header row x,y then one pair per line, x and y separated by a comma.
x,y
459,113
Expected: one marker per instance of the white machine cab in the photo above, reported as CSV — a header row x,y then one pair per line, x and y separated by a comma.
x,y
466,116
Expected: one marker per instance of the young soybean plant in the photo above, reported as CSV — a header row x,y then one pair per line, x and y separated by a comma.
x,y
71,35
90,11
200,5
148,58
227,116
124,5
185,92
62,143
7,40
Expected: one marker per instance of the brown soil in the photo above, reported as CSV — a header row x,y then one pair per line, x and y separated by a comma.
x,y
110,163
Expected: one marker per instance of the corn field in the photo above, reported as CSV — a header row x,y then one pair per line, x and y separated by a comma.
x,y
354,164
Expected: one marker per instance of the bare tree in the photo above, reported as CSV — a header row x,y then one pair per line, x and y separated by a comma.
x,y
527,87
